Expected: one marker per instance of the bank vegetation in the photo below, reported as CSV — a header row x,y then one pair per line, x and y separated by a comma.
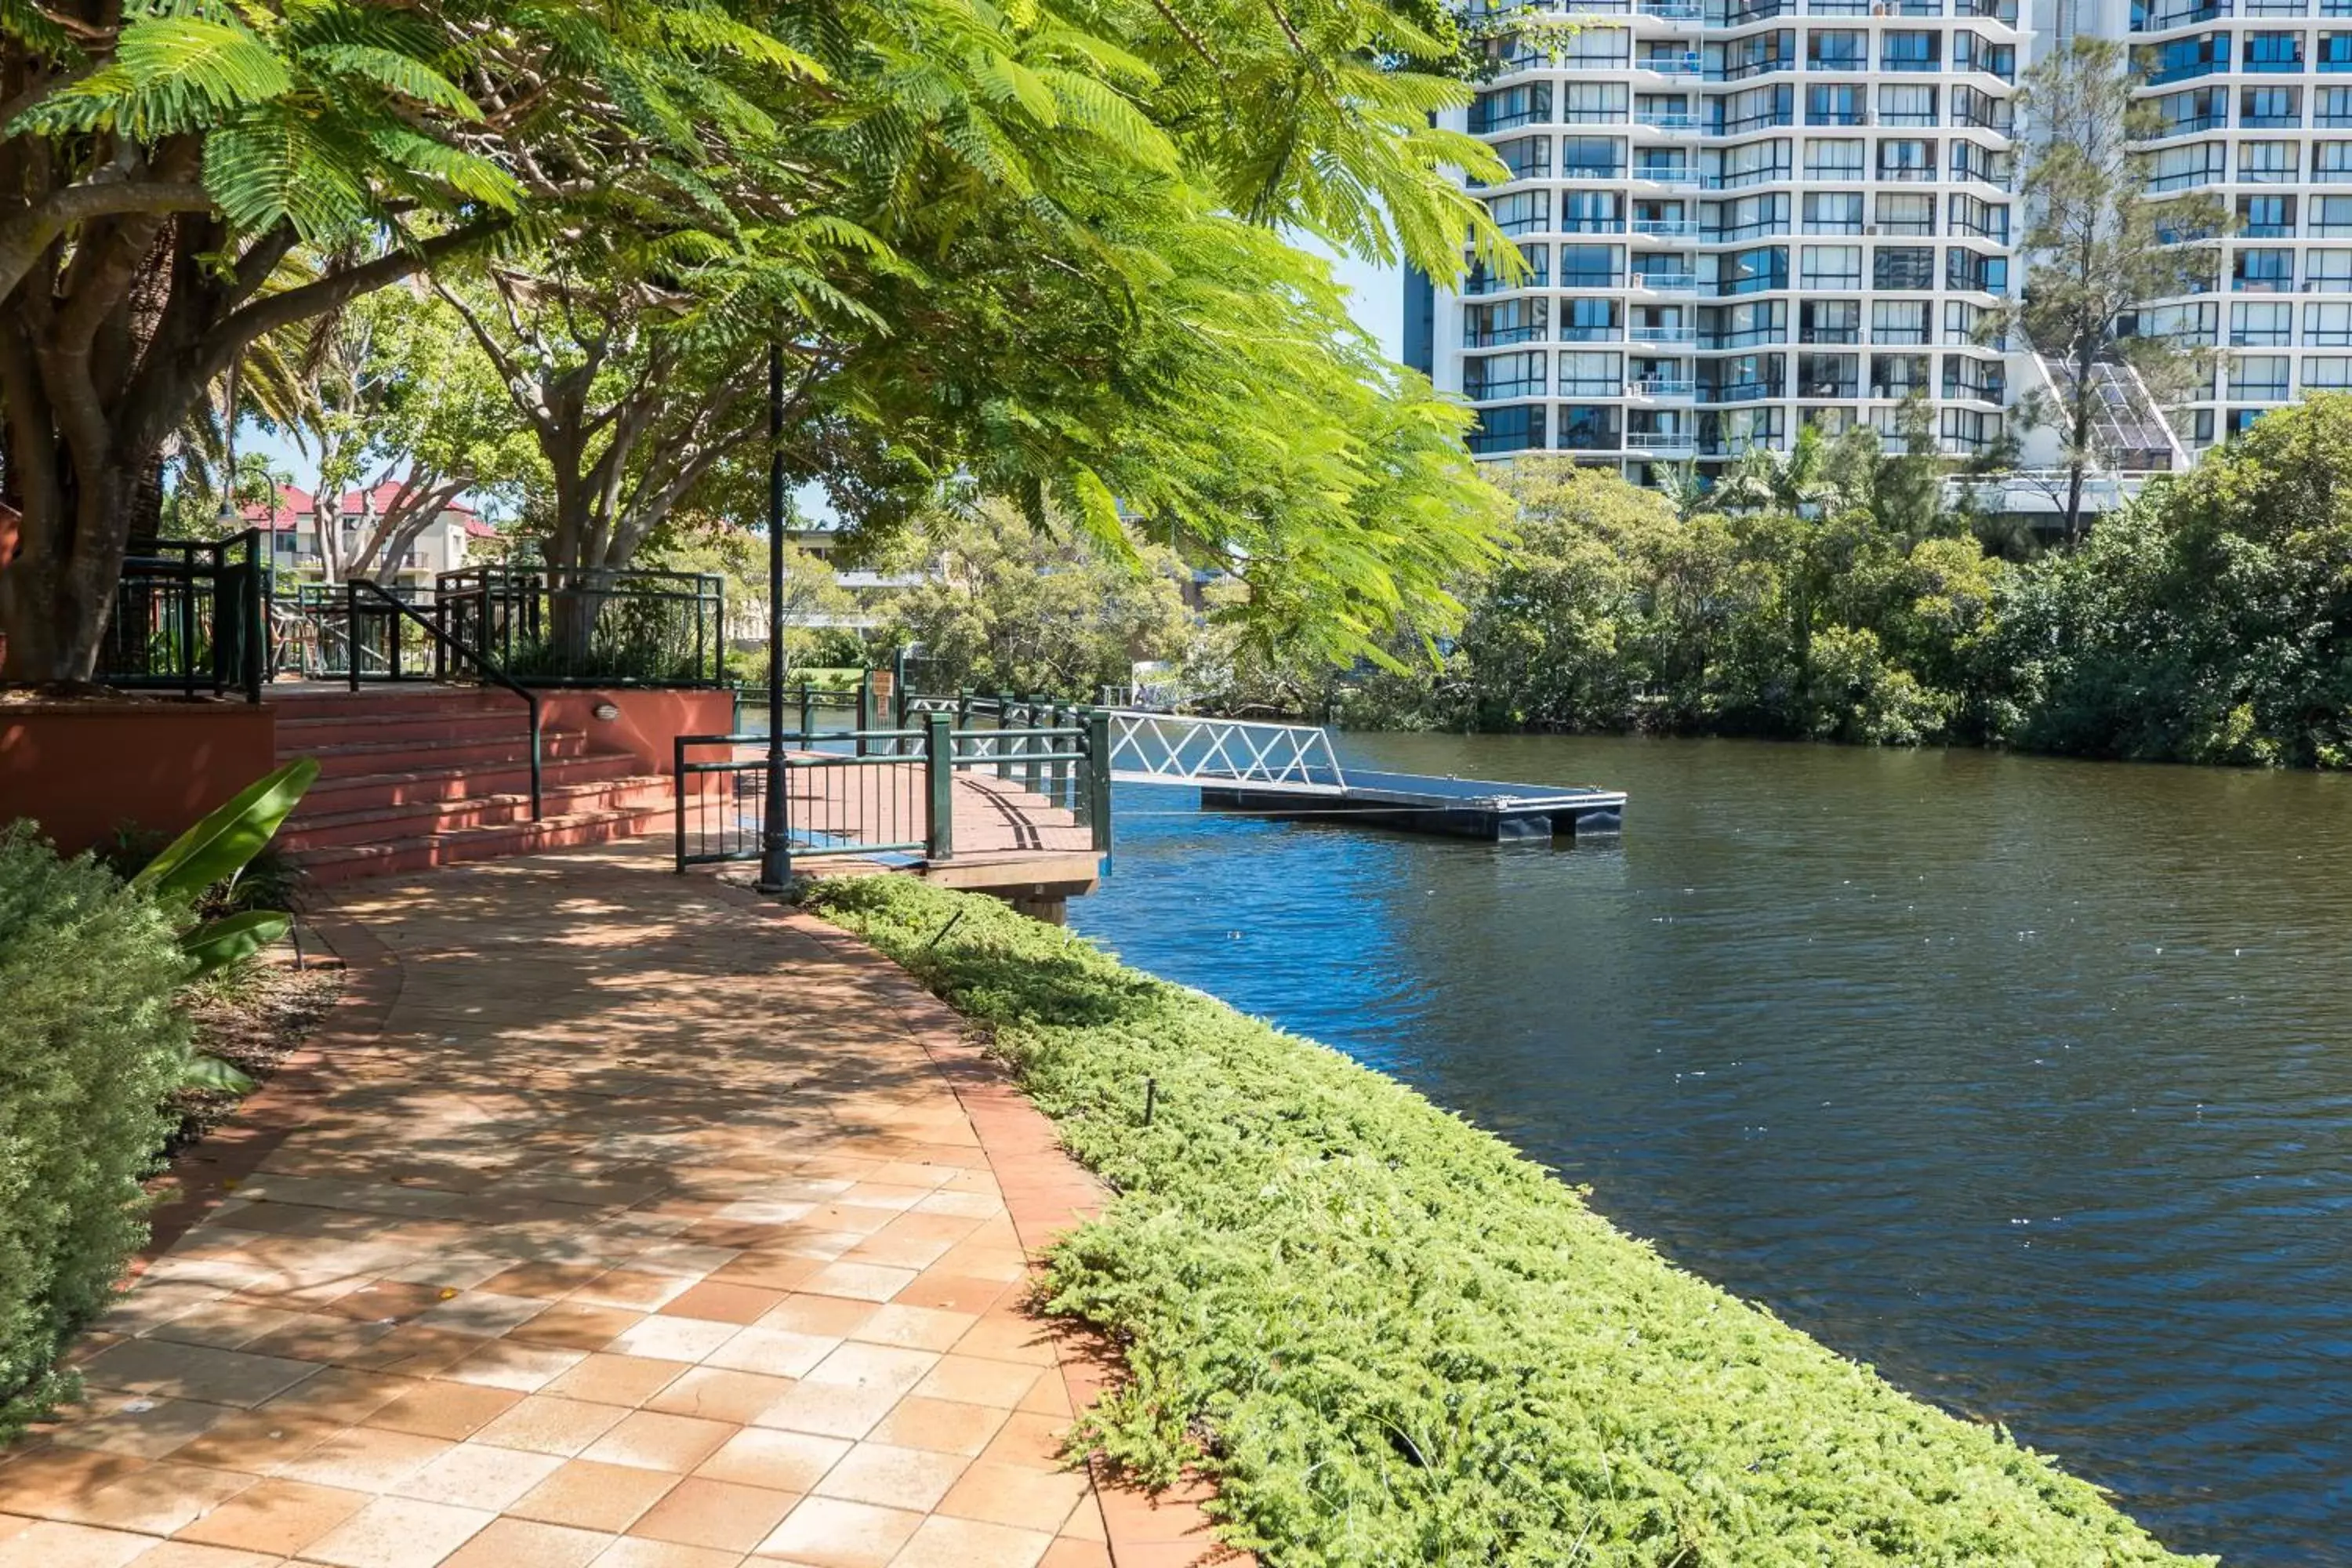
x,y
1391,1339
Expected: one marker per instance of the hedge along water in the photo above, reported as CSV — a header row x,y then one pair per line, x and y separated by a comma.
x,y
2026,1081
1404,1344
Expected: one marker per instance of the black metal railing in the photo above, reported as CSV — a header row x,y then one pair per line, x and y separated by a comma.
x,y
192,614
560,625
889,793
365,603
318,637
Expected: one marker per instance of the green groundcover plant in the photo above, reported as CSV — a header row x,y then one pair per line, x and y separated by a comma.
x,y
1394,1341
90,1051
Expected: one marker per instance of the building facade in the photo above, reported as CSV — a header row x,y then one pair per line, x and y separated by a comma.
x,y
1739,217
455,538
2252,101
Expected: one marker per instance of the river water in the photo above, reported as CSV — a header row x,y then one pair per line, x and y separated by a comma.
x,y
2029,1082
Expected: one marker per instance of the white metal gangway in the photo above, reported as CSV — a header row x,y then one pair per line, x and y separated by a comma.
x,y
1181,749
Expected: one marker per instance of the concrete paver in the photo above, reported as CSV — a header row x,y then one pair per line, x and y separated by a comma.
x,y
637,1226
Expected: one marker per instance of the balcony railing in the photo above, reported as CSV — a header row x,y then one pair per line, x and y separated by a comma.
x,y
1664,334
1665,228
1661,441
1665,282
1660,387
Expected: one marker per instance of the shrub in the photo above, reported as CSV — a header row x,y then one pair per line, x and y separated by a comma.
x,y
1394,1341
92,1048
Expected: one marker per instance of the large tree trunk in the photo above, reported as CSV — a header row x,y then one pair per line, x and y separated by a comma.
x,y
56,597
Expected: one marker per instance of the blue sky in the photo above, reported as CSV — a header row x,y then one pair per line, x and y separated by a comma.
x,y
1377,299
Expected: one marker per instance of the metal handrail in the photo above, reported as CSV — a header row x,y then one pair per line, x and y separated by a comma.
x,y
489,667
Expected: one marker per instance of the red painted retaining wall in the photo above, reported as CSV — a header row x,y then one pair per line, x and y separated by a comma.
x,y
649,722
83,769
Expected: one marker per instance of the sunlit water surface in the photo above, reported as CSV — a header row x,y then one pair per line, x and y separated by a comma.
x,y
2028,1081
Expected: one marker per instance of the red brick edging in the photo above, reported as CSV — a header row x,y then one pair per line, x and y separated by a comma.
x,y
1047,1193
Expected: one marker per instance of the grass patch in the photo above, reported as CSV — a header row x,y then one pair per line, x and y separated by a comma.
x,y
1394,1341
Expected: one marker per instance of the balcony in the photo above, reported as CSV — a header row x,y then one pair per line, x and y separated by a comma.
x,y
1675,176
1687,63
1662,441
1665,228
1846,390
1665,282
1662,389
1739,392
1671,10
1663,335
2193,16
1670,124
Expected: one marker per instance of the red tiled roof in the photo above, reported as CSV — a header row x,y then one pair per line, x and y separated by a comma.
x,y
291,505
296,506
356,501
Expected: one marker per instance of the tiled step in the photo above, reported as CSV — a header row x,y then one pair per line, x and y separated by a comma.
x,y
300,736
349,760
318,830
376,701
419,852
427,783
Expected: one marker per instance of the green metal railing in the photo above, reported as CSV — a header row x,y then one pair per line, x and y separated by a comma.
x,y
564,626
889,793
365,602
192,614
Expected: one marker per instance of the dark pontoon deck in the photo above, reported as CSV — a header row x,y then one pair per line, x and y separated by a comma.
x,y
1418,802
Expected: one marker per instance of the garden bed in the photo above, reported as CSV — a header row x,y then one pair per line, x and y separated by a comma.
x,y
252,1018
1390,1338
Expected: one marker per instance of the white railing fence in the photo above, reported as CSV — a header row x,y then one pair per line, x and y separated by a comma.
x,y
1176,748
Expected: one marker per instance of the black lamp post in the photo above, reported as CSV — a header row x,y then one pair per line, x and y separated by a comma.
x,y
775,848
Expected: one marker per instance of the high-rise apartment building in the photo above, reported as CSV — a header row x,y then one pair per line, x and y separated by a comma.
x,y
1739,217
1743,216
2254,105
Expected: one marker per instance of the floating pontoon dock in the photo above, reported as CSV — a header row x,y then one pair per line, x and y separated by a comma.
x,y
1290,769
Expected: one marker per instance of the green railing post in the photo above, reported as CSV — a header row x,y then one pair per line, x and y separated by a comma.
x,y
939,778
1041,775
1057,774
351,630
1098,750
963,708
1004,701
864,709
808,713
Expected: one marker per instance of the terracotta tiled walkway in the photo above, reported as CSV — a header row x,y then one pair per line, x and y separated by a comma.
x,y
654,1231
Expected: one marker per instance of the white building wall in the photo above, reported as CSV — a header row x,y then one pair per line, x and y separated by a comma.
x,y
2256,96
1744,216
